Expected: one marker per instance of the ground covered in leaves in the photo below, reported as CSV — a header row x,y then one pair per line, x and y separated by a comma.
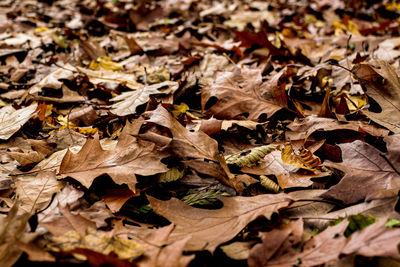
x,y
200,133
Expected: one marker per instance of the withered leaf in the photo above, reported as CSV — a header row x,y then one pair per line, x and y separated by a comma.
x,y
375,240
304,159
209,228
386,93
36,191
159,251
98,241
12,120
128,158
287,175
323,248
368,172
185,143
127,102
237,93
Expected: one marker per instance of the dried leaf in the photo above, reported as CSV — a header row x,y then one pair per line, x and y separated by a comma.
x,y
209,228
97,241
367,171
242,159
12,120
305,159
128,158
126,103
185,143
237,94
386,94
36,191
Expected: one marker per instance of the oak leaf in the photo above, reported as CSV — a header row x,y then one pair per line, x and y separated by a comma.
x,y
159,252
184,142
383,85
369,173
98,241
375,240
323,248
209,228
35,192
237,93
128,158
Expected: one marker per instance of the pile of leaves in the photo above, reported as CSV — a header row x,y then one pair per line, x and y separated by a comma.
x,y
212,133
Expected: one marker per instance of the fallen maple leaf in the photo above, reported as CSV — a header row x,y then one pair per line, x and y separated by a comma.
x,y
209,228
128,158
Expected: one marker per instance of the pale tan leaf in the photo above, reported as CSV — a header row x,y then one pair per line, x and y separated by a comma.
x,y
12,120
127,102
36,191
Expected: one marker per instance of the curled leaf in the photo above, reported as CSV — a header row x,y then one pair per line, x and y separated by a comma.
x,y
250,158
269,184
305,159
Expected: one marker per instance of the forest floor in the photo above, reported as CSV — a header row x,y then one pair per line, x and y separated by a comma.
x,y
199,133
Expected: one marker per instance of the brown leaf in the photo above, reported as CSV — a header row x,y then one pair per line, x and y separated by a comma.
x,y
209,228
12,120
160,252
185,143
385,92
128,158
323,248
275,242
238,182
237,93
58,217
12,228
302,129
367,171
374,241
36,191
116,198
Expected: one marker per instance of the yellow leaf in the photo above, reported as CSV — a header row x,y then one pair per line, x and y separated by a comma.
x,y
63,121
107,64
97,241
41,29
171,175
179,109
305,159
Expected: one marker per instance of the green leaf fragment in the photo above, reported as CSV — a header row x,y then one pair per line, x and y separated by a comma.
x,y
356,222
204,198
392,223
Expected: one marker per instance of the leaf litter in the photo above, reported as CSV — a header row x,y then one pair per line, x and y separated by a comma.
x,y
179,132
